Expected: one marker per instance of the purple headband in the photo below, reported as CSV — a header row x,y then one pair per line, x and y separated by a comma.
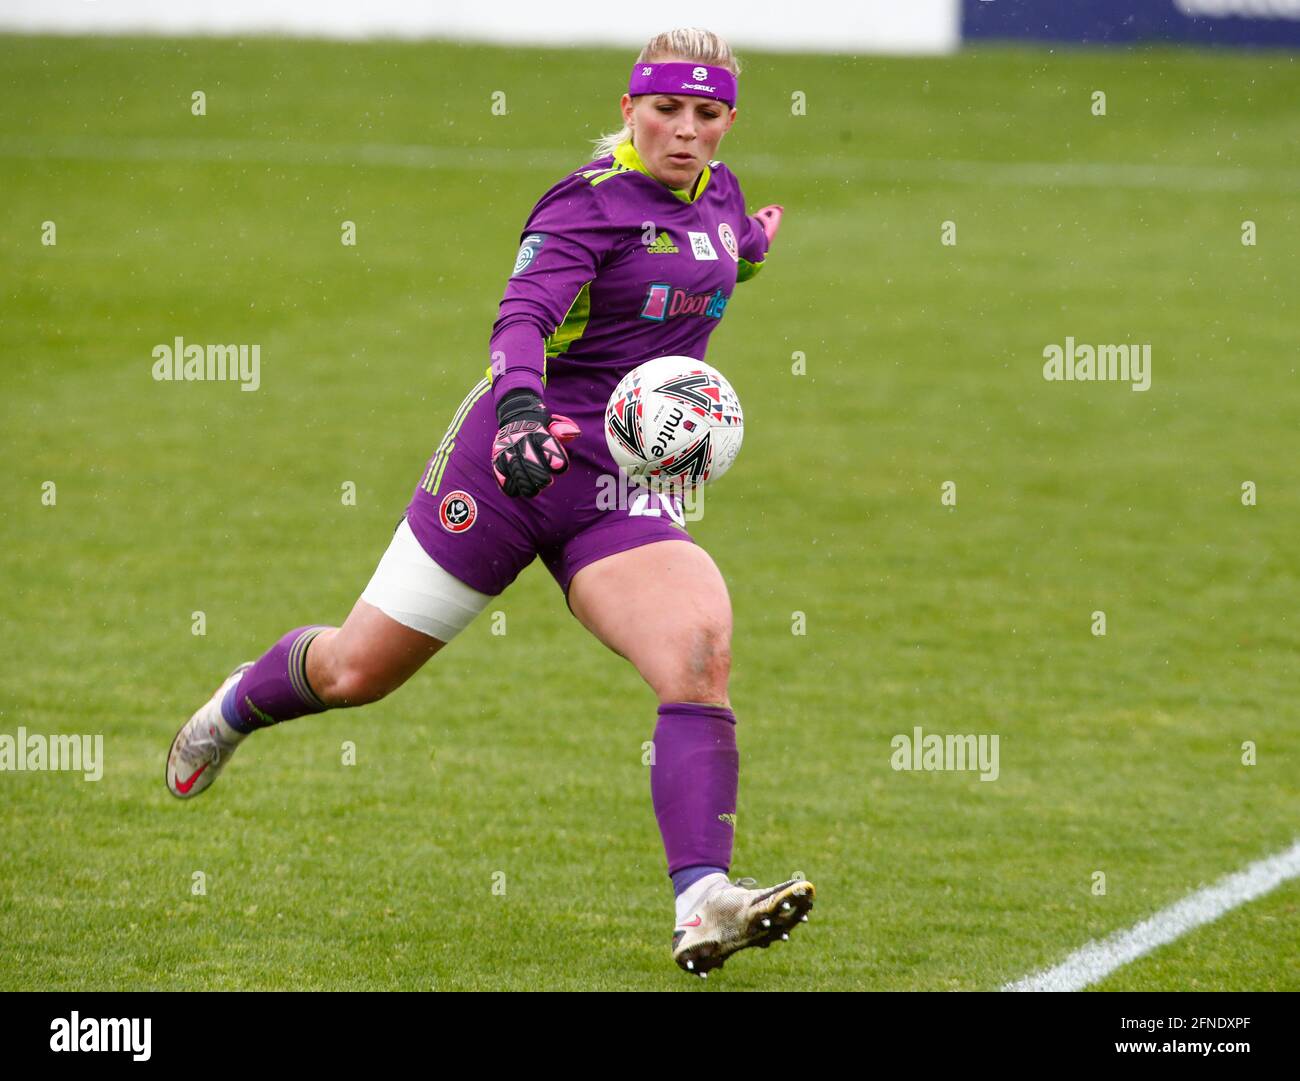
x,y
683,77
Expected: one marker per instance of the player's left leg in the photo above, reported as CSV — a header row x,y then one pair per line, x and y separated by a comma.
x,y
411,608
664,606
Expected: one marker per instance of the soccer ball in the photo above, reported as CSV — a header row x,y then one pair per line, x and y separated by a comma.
x,y
674,423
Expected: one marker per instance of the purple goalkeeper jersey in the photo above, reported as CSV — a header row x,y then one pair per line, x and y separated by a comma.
x,y
616,268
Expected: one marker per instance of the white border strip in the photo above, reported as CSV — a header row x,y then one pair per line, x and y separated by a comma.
x,y
1097,960
918,26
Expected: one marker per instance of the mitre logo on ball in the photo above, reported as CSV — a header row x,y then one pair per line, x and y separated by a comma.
x,y
674,423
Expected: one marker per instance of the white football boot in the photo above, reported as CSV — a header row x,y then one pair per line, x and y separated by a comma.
x,y
203,745
722,917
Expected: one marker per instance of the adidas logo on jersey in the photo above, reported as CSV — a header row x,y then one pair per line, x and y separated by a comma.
x,y
663,245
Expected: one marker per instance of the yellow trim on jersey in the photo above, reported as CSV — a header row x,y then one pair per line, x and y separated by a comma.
x,y
488,371
572,327
433,476
746,270
626,159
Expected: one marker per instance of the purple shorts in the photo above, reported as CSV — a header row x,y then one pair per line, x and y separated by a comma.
x,y
475,531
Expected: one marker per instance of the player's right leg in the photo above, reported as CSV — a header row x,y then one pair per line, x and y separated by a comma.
x,y
410,610
661,602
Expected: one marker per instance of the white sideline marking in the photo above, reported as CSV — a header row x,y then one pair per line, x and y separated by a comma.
x,y
1097,960
1031,174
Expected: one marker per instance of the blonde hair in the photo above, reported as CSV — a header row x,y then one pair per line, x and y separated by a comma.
x,y
692,45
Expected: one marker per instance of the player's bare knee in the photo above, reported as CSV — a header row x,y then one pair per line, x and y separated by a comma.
x,y
711,658
701,667
354,685
349,682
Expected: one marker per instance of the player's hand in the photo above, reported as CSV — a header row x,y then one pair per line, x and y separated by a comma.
x,y
770,219
528,452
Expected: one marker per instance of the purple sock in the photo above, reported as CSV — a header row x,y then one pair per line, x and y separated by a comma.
x,y
693,785
275,689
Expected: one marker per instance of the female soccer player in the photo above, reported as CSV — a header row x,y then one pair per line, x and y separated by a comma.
x,y
630,257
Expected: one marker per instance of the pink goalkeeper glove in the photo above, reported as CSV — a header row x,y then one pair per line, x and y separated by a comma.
x,y
770,219
528,451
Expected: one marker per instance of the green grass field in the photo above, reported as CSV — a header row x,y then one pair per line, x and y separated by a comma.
x,y
1119,754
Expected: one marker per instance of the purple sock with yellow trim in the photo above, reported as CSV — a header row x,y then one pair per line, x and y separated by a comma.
x,y
275,689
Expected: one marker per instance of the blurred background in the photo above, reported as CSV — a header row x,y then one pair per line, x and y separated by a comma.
x,y
919,531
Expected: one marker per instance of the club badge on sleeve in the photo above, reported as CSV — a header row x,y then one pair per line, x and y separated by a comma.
x,y
728,238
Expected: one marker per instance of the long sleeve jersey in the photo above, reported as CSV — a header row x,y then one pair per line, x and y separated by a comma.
x,y
616,268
